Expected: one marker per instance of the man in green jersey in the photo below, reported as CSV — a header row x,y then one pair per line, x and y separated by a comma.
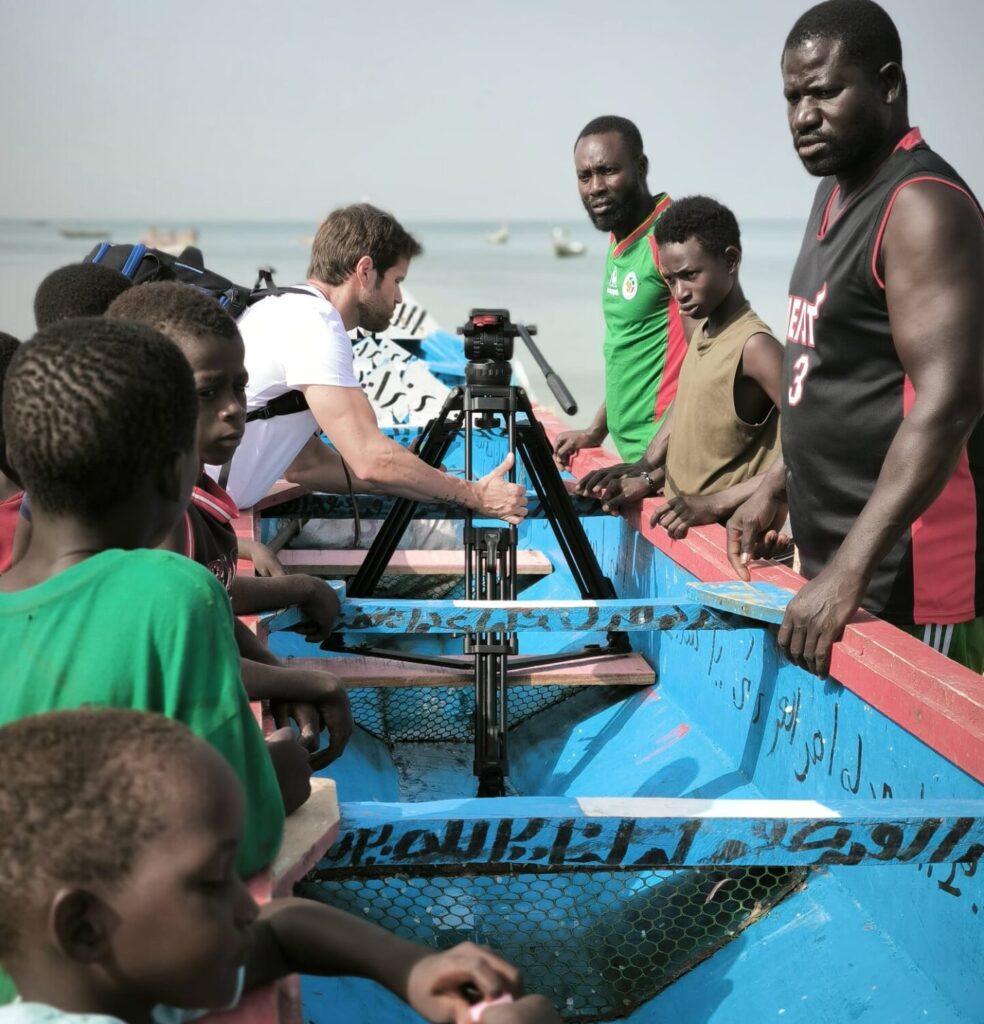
x,y
644,338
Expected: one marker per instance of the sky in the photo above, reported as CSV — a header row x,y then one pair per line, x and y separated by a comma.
x,y
213,109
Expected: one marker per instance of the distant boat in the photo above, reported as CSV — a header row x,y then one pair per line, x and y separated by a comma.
x,y
563,246
169,240
83,232
499,236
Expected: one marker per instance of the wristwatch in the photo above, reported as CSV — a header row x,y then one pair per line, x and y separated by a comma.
x,y
649,481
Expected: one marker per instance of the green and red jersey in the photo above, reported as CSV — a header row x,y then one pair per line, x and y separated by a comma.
x,y
644,339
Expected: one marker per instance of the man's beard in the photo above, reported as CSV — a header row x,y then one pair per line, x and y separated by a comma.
x,y
842,154
373,318
610,218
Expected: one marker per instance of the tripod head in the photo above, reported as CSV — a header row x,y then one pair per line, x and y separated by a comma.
x,y
489,336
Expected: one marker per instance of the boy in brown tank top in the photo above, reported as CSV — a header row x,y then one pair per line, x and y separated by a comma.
x,y
723,431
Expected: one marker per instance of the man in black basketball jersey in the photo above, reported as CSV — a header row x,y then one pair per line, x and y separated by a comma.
x,y
884,365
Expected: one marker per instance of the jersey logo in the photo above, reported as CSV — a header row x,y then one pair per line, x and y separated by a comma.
x,y
613,283
630,286
801,316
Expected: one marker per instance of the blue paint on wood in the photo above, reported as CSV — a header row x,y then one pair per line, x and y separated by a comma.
x,y
643,833
763,602
378,615
816,958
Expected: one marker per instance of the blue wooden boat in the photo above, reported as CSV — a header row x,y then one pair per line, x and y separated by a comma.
x,y
695,830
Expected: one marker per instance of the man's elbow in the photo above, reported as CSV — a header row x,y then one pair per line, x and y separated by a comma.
x,y
372,463
954,415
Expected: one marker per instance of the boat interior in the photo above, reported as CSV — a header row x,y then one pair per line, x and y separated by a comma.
x,y
691,827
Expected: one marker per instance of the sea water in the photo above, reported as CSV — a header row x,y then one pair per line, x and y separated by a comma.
x,y
459,270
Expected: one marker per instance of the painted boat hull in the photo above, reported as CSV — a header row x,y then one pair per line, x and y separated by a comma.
x,y
734,841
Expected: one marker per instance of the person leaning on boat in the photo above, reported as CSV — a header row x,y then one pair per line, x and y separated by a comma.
x,y
645,340
359,258
725,421
883,383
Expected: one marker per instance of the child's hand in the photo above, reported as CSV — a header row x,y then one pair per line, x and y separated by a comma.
x,y
329,710
528,1010
595,483
629,491
265,562
320,607
435,986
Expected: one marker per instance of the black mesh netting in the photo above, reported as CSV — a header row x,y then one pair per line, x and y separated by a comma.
x,y
436,714
597,943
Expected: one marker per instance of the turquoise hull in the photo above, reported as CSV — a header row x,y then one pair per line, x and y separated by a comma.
x,y
728,840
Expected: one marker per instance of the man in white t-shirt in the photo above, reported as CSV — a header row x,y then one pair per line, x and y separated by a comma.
x,y
299,342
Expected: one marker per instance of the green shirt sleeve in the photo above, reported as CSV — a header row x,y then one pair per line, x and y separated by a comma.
x,y
203,688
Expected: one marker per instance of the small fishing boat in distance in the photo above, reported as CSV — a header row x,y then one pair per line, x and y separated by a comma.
x,y
564,246
169,240
83,232
498,237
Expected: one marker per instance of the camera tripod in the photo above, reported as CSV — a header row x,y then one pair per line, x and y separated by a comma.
x,y
490,552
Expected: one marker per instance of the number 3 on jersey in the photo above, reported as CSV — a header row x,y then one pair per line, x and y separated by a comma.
x,y
800,369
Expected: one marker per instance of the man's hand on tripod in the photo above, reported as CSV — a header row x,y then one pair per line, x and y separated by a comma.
x,y
498,498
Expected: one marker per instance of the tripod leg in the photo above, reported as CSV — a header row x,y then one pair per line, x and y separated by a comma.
x,y
491,666
534,448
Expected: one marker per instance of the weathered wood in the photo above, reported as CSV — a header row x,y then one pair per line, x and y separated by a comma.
x,y
373,615
763,602
645,832
605,670
346,562
308,833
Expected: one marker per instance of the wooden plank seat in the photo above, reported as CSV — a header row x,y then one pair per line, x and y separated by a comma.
x,y
604,670
409,562
379,615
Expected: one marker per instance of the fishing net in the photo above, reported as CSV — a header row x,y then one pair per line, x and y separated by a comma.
x,y
435,714
597,943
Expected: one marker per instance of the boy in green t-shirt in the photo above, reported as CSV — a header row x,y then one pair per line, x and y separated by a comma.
x,y
119,895
100,422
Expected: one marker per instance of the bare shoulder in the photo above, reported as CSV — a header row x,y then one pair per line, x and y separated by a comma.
x,y
761,361
762,344
933,212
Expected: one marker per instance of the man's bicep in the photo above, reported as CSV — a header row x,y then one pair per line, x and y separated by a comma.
x,y
342,413
933,258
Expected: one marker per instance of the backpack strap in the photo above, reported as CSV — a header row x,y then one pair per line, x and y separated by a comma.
x,y
265,293
283,405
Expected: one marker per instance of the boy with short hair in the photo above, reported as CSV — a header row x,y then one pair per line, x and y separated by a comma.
x,y
100,425
209,339
119,894
724,431
79,289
